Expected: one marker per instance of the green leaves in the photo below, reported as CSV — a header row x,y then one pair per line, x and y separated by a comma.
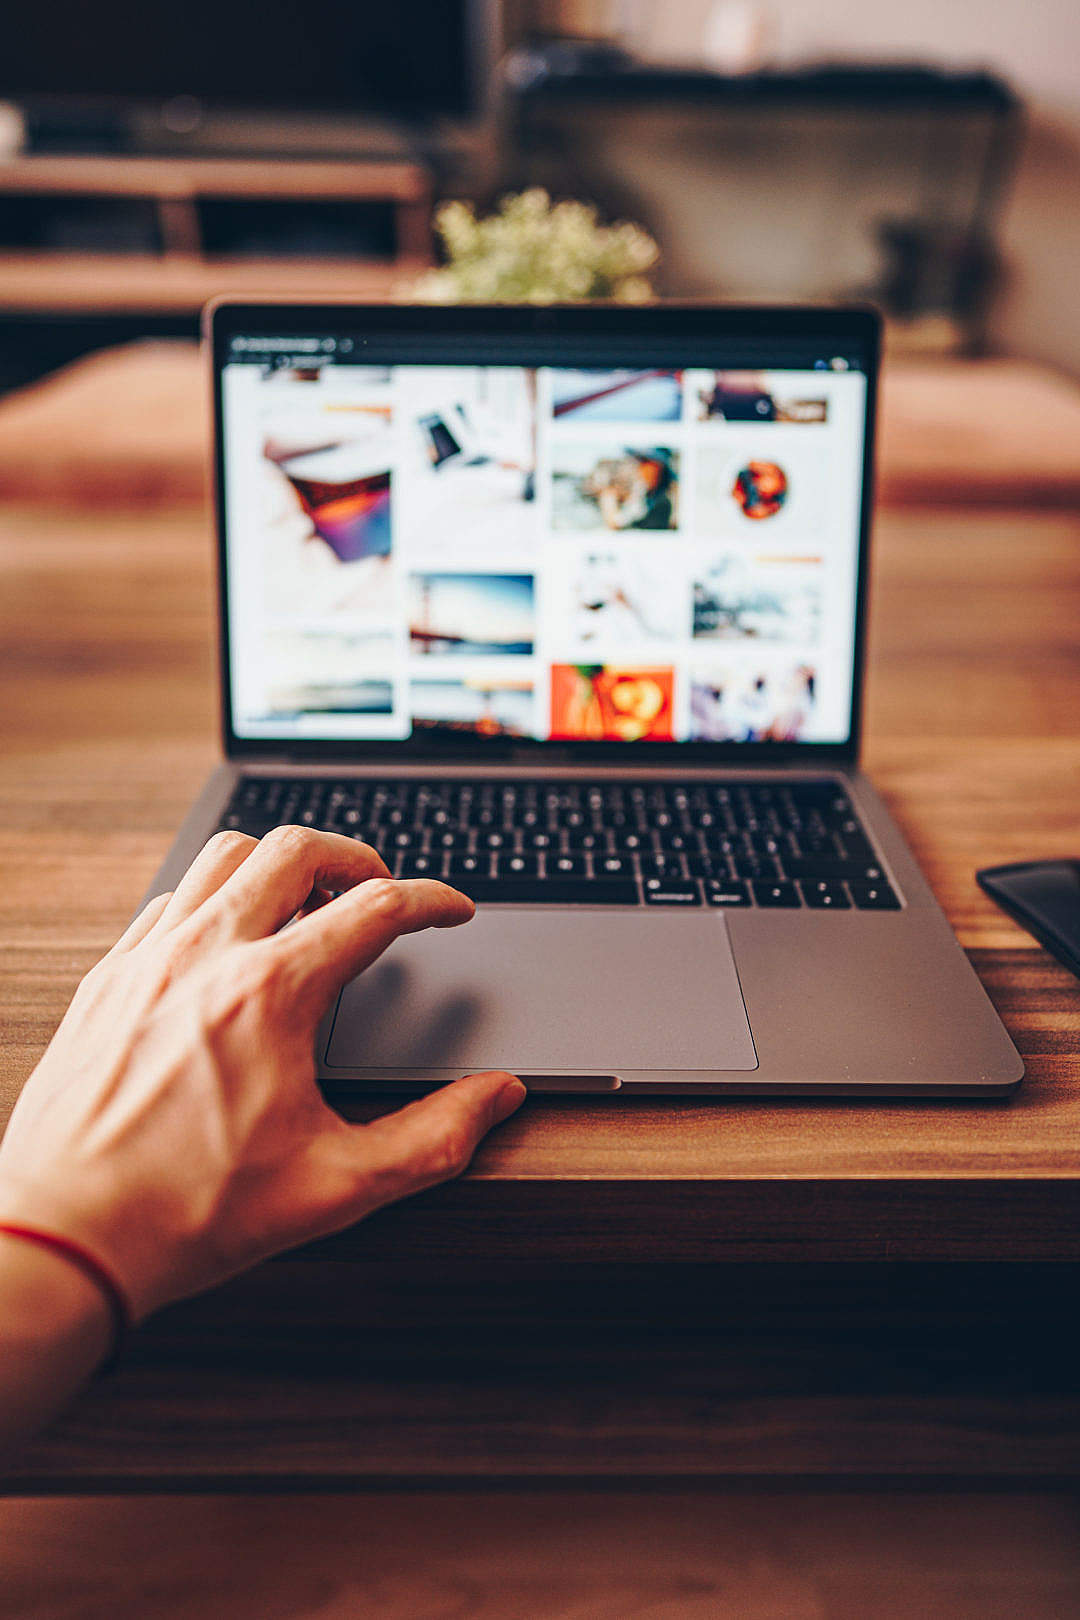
x,y
534,251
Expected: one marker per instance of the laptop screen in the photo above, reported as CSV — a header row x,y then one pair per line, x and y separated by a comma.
x,y
626,545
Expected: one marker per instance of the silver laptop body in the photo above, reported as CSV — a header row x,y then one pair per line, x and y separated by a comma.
x,y
567,607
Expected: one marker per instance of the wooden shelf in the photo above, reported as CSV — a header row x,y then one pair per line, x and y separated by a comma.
x,y
184,275
121,283
292,178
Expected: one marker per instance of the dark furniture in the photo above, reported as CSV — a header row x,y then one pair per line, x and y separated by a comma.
x,y
809,183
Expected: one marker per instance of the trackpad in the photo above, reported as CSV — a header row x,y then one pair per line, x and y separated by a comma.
x,y
548,993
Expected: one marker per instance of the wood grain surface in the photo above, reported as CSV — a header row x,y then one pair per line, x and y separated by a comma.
x,y
463,1371
106,620
410,1363
546,1555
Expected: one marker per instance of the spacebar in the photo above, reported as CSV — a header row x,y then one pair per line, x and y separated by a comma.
x,y
547,891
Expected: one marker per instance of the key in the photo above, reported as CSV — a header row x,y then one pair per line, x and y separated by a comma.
x,y
565,865
857,846
671,892
661,866
718,893
610,866
874,897
754,871
776,894
516,865
460,865
625,841
420,865
578,840
444,839
823,896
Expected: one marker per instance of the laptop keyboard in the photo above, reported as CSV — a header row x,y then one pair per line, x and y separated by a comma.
x,y
732,844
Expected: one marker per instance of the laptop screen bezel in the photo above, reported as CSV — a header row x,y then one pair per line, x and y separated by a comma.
x,y
851,330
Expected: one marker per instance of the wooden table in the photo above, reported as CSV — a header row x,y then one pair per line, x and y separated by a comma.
x,y
467,1335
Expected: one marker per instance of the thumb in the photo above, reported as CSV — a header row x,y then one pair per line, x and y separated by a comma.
x,y
433,1139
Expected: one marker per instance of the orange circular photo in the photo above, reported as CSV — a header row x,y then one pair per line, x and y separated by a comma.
x,y
760,489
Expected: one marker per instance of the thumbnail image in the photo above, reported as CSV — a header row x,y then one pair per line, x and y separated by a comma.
x,y
617,396
739,491
315,673
609,703
753,703
761,598
488,708
621,488
344,488
468,486
760,489
755,396
468,614
621,597
325,510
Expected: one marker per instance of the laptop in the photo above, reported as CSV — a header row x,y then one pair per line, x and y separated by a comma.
x,y
567,607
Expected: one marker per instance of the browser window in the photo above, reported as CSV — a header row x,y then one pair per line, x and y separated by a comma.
x,y
624,553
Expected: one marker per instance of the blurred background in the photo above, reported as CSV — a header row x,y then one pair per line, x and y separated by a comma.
x,y
923,157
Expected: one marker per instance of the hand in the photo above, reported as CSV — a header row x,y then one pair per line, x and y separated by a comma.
x,y
174,1127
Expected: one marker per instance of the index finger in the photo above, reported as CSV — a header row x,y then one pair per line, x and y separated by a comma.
x,y
279,874
335,943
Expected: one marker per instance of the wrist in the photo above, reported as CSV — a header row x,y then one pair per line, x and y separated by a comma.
x,y
123,1235
56,1330
44,1293
37,1221
70,1302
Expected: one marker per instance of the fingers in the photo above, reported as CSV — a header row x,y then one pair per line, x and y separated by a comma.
x,y
336,942
216,862
316,899
138,928
432,1139
274,878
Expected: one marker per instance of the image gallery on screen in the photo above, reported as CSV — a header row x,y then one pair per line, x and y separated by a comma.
x,y
593,555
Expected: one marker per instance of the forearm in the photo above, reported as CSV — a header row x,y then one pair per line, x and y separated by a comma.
x,y
56,1329
173,1134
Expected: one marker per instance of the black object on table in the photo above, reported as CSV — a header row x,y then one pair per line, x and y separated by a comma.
x,y
1044,898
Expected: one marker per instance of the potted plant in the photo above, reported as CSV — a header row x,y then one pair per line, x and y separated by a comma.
x,y
532,250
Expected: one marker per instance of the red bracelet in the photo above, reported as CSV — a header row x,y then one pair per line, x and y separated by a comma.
x,y
117,1301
